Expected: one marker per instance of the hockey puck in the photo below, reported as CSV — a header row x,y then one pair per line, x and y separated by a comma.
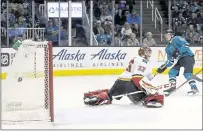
x,y
20,79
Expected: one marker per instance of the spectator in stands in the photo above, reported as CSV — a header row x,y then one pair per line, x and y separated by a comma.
x,y
80,37
3,37
189,37
194,7
193,19
175,11
116,8
199,29
64,37
132,41
117,41
43,22
102,38
3,19
105,16
200,17
149,40
127,10
97,27
97,11
21,24
12,17
185,10
180,20
192,37
200,40
15,34
133,18
104,8
135,29
120,19
122,4
126,31
108,28
51,33
191,29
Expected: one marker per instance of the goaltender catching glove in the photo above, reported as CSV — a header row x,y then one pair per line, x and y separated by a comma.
x,y
161,69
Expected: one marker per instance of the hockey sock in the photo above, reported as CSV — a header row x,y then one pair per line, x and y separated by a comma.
x,y
191,82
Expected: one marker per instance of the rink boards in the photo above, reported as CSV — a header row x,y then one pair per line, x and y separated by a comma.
x,y
73,61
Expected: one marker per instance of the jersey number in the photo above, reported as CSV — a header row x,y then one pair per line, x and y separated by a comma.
x,y
141,68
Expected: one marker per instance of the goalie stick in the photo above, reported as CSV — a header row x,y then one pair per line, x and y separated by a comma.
x,y
184,83
127,94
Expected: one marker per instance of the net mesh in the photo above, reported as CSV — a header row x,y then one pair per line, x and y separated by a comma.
x,y
26,90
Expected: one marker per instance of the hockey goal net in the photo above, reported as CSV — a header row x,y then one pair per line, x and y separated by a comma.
x,y
27,91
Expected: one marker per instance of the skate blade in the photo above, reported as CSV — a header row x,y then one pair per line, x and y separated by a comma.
x,y
192,94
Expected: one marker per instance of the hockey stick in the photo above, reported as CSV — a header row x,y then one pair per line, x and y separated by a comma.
x,y
183,84
127,94
197,78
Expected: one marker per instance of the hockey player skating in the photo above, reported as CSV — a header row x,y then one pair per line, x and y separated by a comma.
x,y
178,48
135,78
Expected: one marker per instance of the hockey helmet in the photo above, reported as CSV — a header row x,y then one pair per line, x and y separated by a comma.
x,y
169,34
145,52
170,31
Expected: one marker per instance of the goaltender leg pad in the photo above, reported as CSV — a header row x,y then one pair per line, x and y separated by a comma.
x,y
99,97
156,100
91,93
137,98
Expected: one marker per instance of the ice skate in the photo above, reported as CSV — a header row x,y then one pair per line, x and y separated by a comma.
x,y
168,91
193,91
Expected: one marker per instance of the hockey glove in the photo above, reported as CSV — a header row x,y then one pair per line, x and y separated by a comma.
x,y
99,98
161,69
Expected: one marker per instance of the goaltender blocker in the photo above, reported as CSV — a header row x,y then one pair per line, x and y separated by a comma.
x,y
136,77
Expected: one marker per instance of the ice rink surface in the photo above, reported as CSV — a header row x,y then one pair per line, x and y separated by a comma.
x,y
179,112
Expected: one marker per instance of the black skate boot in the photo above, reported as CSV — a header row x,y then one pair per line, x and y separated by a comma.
x,y
172,82
168,91
194,91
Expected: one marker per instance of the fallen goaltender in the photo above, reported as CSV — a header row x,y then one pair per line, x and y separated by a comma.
x,y
135,83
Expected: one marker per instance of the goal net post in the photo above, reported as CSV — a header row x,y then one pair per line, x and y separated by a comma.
x,y
27,91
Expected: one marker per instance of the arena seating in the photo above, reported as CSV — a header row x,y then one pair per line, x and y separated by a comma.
x,y
187,21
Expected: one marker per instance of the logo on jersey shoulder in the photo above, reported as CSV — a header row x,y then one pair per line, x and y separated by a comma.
x,y
145,61
5,59
104,54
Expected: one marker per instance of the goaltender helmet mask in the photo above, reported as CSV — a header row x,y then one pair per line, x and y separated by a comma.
x,y
169,34
145,52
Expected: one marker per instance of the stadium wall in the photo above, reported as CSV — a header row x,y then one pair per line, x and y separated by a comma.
x,y
75,61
